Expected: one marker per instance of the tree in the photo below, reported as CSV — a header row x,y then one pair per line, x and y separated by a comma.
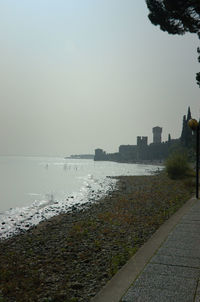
x,y
186,135
189,116
176,17
198,74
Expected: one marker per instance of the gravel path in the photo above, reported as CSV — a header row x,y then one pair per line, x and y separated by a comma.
x,y
70,257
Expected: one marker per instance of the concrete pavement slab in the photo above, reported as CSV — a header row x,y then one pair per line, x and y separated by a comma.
x,y
170,282
181,237
195,218
178,271
180,245
190,222
141,294
176,260
188,228
197,297
189,253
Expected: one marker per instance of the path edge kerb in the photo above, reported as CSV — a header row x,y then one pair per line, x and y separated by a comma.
x,y
122,280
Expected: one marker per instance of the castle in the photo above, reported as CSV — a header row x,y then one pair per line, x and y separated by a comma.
x,y
156,151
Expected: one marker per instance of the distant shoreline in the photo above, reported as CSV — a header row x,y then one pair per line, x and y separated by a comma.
x,y
147,162
142,162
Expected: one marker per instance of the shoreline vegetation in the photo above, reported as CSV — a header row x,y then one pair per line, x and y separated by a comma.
x,y
70,257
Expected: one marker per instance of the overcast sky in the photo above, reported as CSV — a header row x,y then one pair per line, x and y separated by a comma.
x,y
83,74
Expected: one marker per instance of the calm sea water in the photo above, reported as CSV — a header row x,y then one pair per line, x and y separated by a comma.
x,y
36,188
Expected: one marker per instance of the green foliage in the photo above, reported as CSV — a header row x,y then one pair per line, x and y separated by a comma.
x,y
190,184
176,17
187,139
198,78
73,300
1,297
177,165
117,261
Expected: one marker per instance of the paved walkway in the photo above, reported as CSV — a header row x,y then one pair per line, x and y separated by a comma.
x,y
173,273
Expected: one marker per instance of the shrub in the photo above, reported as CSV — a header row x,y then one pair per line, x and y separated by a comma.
x,y
177,165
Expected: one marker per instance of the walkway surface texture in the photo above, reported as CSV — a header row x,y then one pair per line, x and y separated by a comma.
x,y
173,273
166,268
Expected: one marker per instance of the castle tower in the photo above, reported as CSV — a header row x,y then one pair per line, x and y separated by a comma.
x,y
145,141
138,141
142,141
157,131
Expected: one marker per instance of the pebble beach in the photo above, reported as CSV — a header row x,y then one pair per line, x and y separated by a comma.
x,y
70,257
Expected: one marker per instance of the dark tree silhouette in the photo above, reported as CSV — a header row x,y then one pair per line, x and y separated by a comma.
x,y
176,17
189,116
186,135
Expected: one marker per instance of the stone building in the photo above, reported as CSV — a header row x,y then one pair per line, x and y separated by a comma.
x,y
142,141
99,154
157,131
157,150
128,152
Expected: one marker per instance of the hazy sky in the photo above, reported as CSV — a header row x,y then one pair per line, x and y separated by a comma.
x,y
81,74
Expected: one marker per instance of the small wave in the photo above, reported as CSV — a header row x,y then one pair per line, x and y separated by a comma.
x,y
16,220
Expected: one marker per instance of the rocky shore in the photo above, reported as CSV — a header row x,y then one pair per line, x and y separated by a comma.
x,y
70,257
